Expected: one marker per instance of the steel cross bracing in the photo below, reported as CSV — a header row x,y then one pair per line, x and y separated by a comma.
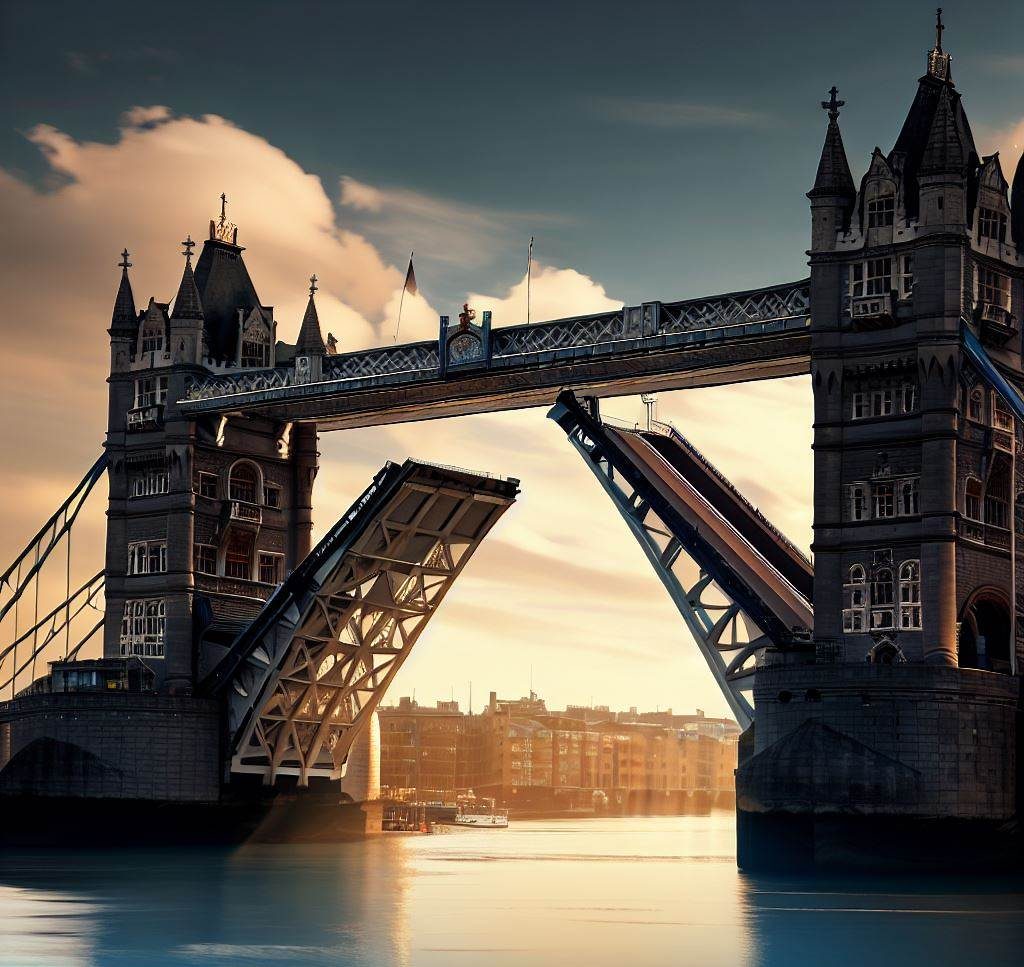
x,y
649,327
304,678
730,621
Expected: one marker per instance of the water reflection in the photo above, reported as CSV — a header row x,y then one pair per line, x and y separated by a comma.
x,y
609,892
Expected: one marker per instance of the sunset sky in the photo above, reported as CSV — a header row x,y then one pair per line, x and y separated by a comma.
x,y
662,155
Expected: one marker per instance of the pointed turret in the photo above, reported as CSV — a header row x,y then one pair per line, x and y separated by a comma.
x,y
1017,205
124,317
944,150
833,195
187,304
310,341
186,323
833,177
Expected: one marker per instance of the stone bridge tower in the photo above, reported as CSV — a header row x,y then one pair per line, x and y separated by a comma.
x,y
206,516
908,707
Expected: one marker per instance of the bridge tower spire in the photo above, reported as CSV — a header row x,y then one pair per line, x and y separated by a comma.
x,y
833,193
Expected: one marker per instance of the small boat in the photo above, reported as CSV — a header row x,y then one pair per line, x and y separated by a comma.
x,y
481,814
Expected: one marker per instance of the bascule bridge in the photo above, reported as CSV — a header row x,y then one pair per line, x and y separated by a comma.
x,y
880,686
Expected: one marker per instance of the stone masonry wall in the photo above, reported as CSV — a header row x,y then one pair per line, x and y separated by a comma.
x,y
110,745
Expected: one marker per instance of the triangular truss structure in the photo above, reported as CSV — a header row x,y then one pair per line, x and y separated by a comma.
x,y
303,679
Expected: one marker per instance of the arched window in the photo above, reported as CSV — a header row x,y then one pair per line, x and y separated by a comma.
x,y
244,483
972,498
856,600
256,347
910,595
238,556
976,405
857,574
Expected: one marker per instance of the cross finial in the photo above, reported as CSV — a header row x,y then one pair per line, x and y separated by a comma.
x,y
189,245
832,105
939,27
312,285
124,263
223,207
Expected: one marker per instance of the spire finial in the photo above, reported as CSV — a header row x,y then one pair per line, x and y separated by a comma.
x,y
312,284
938,59
189,245
124,263
939,27
223,208
221,229
832,105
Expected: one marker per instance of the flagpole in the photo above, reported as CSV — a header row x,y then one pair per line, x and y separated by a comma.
x,y
529,274
401,300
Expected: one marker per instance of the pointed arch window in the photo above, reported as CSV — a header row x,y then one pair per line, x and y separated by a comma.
x,y
976,405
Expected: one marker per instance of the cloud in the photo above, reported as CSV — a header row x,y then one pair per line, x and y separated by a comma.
x,y
442,230
554,294
562,586
678,114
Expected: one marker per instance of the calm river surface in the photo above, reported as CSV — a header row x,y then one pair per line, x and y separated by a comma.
x,y
616,892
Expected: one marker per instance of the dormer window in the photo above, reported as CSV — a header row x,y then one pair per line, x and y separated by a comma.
x,y
992,224
881,211
152,339
256,347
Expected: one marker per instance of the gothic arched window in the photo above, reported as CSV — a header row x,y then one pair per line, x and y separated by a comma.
x,y
256,347
976,405
244,483
910,595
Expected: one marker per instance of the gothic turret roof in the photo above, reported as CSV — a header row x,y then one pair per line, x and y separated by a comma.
x,y
187,303
310,340
916,134
833,177
224,287
124,318
1017,207
944,149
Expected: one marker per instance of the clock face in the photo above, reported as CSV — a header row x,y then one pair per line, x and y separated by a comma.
x,y
463,348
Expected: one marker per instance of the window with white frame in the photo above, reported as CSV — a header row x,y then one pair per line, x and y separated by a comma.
x,y
881,402
873,277
859,406
856,600
153,338
256,347
908,497
882,590
147,557
992,224
148,483
142,628
858,501
207,484
150,391
993,288
883,497
270,568
910,595
908,397
204,559
881,211
906,276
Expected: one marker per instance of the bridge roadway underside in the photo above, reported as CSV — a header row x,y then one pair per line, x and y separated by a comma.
x,y
340,405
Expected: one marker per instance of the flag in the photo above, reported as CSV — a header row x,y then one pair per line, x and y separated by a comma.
x,y
410,279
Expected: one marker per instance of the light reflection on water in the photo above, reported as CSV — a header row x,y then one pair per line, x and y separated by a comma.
x,y
622,892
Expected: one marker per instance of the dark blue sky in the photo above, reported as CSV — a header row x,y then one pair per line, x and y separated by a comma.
x,y
667,144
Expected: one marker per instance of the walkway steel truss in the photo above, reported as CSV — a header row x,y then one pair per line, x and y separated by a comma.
x,y
304,678
731,622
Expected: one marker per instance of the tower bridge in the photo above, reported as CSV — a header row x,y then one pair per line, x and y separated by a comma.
x,y
880,687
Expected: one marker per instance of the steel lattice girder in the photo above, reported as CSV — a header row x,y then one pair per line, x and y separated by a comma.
x,y
731,628
303,679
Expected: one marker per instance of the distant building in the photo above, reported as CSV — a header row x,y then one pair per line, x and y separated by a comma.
x,y
522,754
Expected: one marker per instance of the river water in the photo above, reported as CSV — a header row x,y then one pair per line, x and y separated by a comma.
x,y
600,893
